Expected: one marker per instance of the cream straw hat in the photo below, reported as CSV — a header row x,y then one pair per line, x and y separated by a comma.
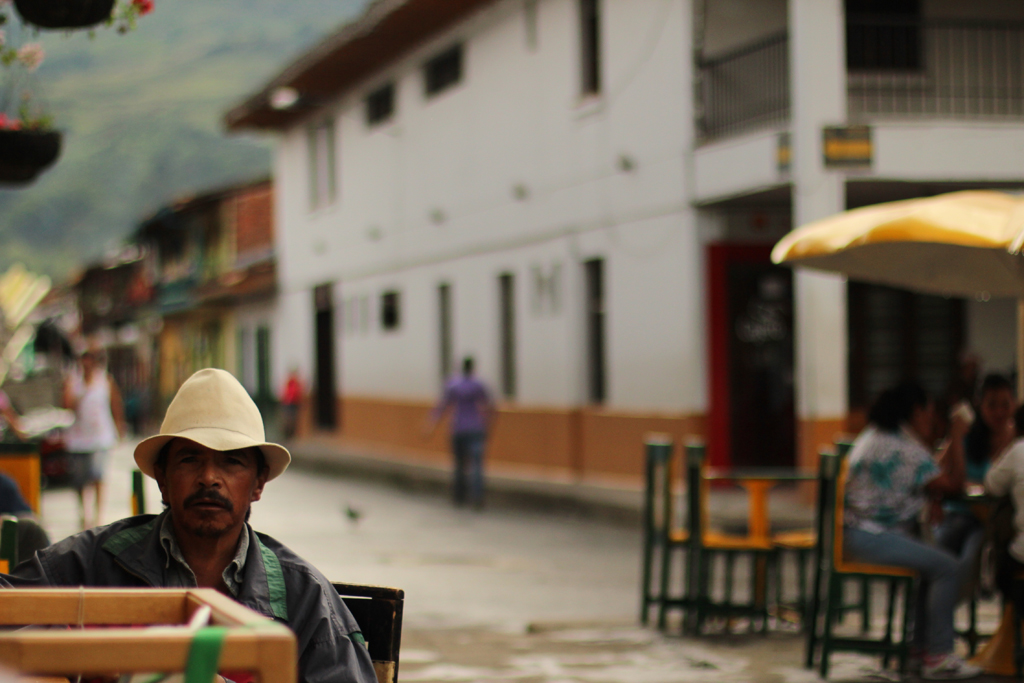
x,y
213,409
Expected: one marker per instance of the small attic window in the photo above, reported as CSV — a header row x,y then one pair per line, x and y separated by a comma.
x,y
380,104
443,70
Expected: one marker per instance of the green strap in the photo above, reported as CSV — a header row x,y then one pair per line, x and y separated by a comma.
x,y
204,654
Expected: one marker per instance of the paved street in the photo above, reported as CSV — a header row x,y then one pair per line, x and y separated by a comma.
x,y
500,595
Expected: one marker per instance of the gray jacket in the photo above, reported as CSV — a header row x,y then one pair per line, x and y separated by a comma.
x,y
278,583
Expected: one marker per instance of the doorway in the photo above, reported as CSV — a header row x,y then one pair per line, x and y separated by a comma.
x,y
326,412
444,330
507,334
752,416
595,321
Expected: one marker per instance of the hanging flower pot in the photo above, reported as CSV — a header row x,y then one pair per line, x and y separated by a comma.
x,y
65,14
24,154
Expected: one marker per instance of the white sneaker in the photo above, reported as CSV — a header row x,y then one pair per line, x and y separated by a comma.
x,y
948,667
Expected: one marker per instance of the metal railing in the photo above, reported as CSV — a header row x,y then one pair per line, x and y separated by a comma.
x,y
744,89
939,69
943,69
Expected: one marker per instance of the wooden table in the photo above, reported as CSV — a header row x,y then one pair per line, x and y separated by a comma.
x,y
758,483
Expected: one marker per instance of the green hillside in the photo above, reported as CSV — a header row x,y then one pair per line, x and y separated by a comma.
x,y
142,118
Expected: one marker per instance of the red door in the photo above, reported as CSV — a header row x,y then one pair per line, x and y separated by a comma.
x,y
751,421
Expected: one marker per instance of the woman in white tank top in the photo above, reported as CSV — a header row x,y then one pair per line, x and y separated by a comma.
x,y
99,421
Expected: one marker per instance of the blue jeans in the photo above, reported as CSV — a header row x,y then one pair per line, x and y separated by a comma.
x,y
468,449
960,533
941,572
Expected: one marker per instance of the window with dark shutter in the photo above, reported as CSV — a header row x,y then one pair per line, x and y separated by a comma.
x,y
390,311
443,71
590,46
380,104
883,35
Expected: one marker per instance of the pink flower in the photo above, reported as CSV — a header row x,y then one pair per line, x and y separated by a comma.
x,y
8,123
31,55
143,6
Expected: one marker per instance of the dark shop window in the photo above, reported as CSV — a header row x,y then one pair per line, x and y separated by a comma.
x,y
883,35
443,71
390,310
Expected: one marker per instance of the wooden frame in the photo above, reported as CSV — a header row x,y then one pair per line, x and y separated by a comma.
x,y
378,611
253,642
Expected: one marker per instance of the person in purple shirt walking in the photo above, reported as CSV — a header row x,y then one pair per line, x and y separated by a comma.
x,y
472,410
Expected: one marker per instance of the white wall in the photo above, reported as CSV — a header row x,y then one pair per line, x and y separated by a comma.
x,y
737,166
430,197
925,150
731,24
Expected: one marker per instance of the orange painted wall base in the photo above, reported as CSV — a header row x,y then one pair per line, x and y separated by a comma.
x,y
585,443
813,436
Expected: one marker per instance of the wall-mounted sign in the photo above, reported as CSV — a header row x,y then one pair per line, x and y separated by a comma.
x,y
847,146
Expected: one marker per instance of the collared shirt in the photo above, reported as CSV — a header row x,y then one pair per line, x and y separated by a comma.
x,y
180,575
470,400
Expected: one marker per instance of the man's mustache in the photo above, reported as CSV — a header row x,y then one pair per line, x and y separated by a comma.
x,y
209,496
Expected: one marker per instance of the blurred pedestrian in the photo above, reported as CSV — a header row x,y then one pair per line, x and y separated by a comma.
x,y
91,392
472,412
291,400
9,418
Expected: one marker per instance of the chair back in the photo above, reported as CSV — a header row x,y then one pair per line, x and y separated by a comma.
x,y
658,512
696,492
828,467
658,491
378,611
833,471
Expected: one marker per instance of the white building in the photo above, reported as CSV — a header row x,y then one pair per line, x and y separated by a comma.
x,y
582,195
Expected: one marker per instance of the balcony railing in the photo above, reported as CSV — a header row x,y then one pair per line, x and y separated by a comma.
x,y
941,69
744,89
936,69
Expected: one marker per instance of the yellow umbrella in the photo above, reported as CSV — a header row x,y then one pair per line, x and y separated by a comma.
x,y
958,244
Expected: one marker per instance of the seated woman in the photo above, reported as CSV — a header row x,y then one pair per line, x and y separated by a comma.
x,y
960,532
891,475
1006,477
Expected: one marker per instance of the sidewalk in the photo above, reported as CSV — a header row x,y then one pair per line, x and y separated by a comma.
x,y
618,503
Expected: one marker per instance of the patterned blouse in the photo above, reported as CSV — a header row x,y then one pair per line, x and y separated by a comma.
x,y
885,482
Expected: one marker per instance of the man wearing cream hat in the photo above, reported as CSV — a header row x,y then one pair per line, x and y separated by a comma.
x,y
212,462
